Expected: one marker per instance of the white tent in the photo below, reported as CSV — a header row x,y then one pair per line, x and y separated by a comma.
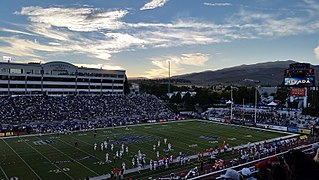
x,y
272,104
229,102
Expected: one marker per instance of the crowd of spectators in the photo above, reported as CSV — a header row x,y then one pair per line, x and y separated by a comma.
x,y
294,165
82,111
265,116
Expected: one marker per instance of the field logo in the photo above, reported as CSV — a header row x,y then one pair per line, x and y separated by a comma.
x,y
193,145
44,142
132,139
22,140
57,171
232,139
209,138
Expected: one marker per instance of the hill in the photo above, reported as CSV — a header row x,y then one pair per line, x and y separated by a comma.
x,y
269,73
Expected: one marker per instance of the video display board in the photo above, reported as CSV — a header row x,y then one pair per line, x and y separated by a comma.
x,y
299,75
299,81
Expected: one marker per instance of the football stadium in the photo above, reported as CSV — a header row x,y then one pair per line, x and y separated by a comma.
x,y
159,90
95,133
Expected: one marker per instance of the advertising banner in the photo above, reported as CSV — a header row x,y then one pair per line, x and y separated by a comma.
x,y
213,119
293,129
238,122
262,125
227,121
295,91
280,128
249,124
304,131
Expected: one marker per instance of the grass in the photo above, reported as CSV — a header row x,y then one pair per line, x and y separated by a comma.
x,y
20,157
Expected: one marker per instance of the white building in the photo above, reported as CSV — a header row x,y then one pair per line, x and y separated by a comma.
x,y
58,78
135,88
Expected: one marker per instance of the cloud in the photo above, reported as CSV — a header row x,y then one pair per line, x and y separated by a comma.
x,y
48,32
312,5
16,31
153,4
100,33
118,41
23,47
316,51
100,66
178,63
259,24
75,19
217,4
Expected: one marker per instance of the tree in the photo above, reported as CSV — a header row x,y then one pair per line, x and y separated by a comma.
x,y
265,94
126,86
282,93
176,98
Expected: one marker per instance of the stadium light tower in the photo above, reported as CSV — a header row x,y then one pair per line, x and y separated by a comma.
x,y
256,98
255,118
169,77
231,104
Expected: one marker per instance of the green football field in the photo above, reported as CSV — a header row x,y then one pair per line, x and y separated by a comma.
x,y
57,157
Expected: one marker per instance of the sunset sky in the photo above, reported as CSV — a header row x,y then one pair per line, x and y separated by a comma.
x,y
141,36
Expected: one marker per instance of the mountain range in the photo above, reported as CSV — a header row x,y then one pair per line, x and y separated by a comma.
x,y
264,74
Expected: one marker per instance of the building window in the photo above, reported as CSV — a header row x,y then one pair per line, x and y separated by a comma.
x,y
16,71
4,70
4,77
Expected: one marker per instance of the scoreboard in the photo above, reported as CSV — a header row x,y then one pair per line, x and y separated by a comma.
x,y
300,72
299,75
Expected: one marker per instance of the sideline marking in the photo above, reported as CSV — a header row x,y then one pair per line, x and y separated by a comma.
x,y
22,159
4,173
49,160
73,159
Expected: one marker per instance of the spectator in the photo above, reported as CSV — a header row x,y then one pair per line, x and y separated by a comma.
x,y
316,158
247,174
231,174
277,171
302,166
263,172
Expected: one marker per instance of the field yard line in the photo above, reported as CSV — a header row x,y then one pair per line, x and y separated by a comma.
x,y
80,149
22,159
48,160
129,162
149,132
72,159
87,152
290,135
4,173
